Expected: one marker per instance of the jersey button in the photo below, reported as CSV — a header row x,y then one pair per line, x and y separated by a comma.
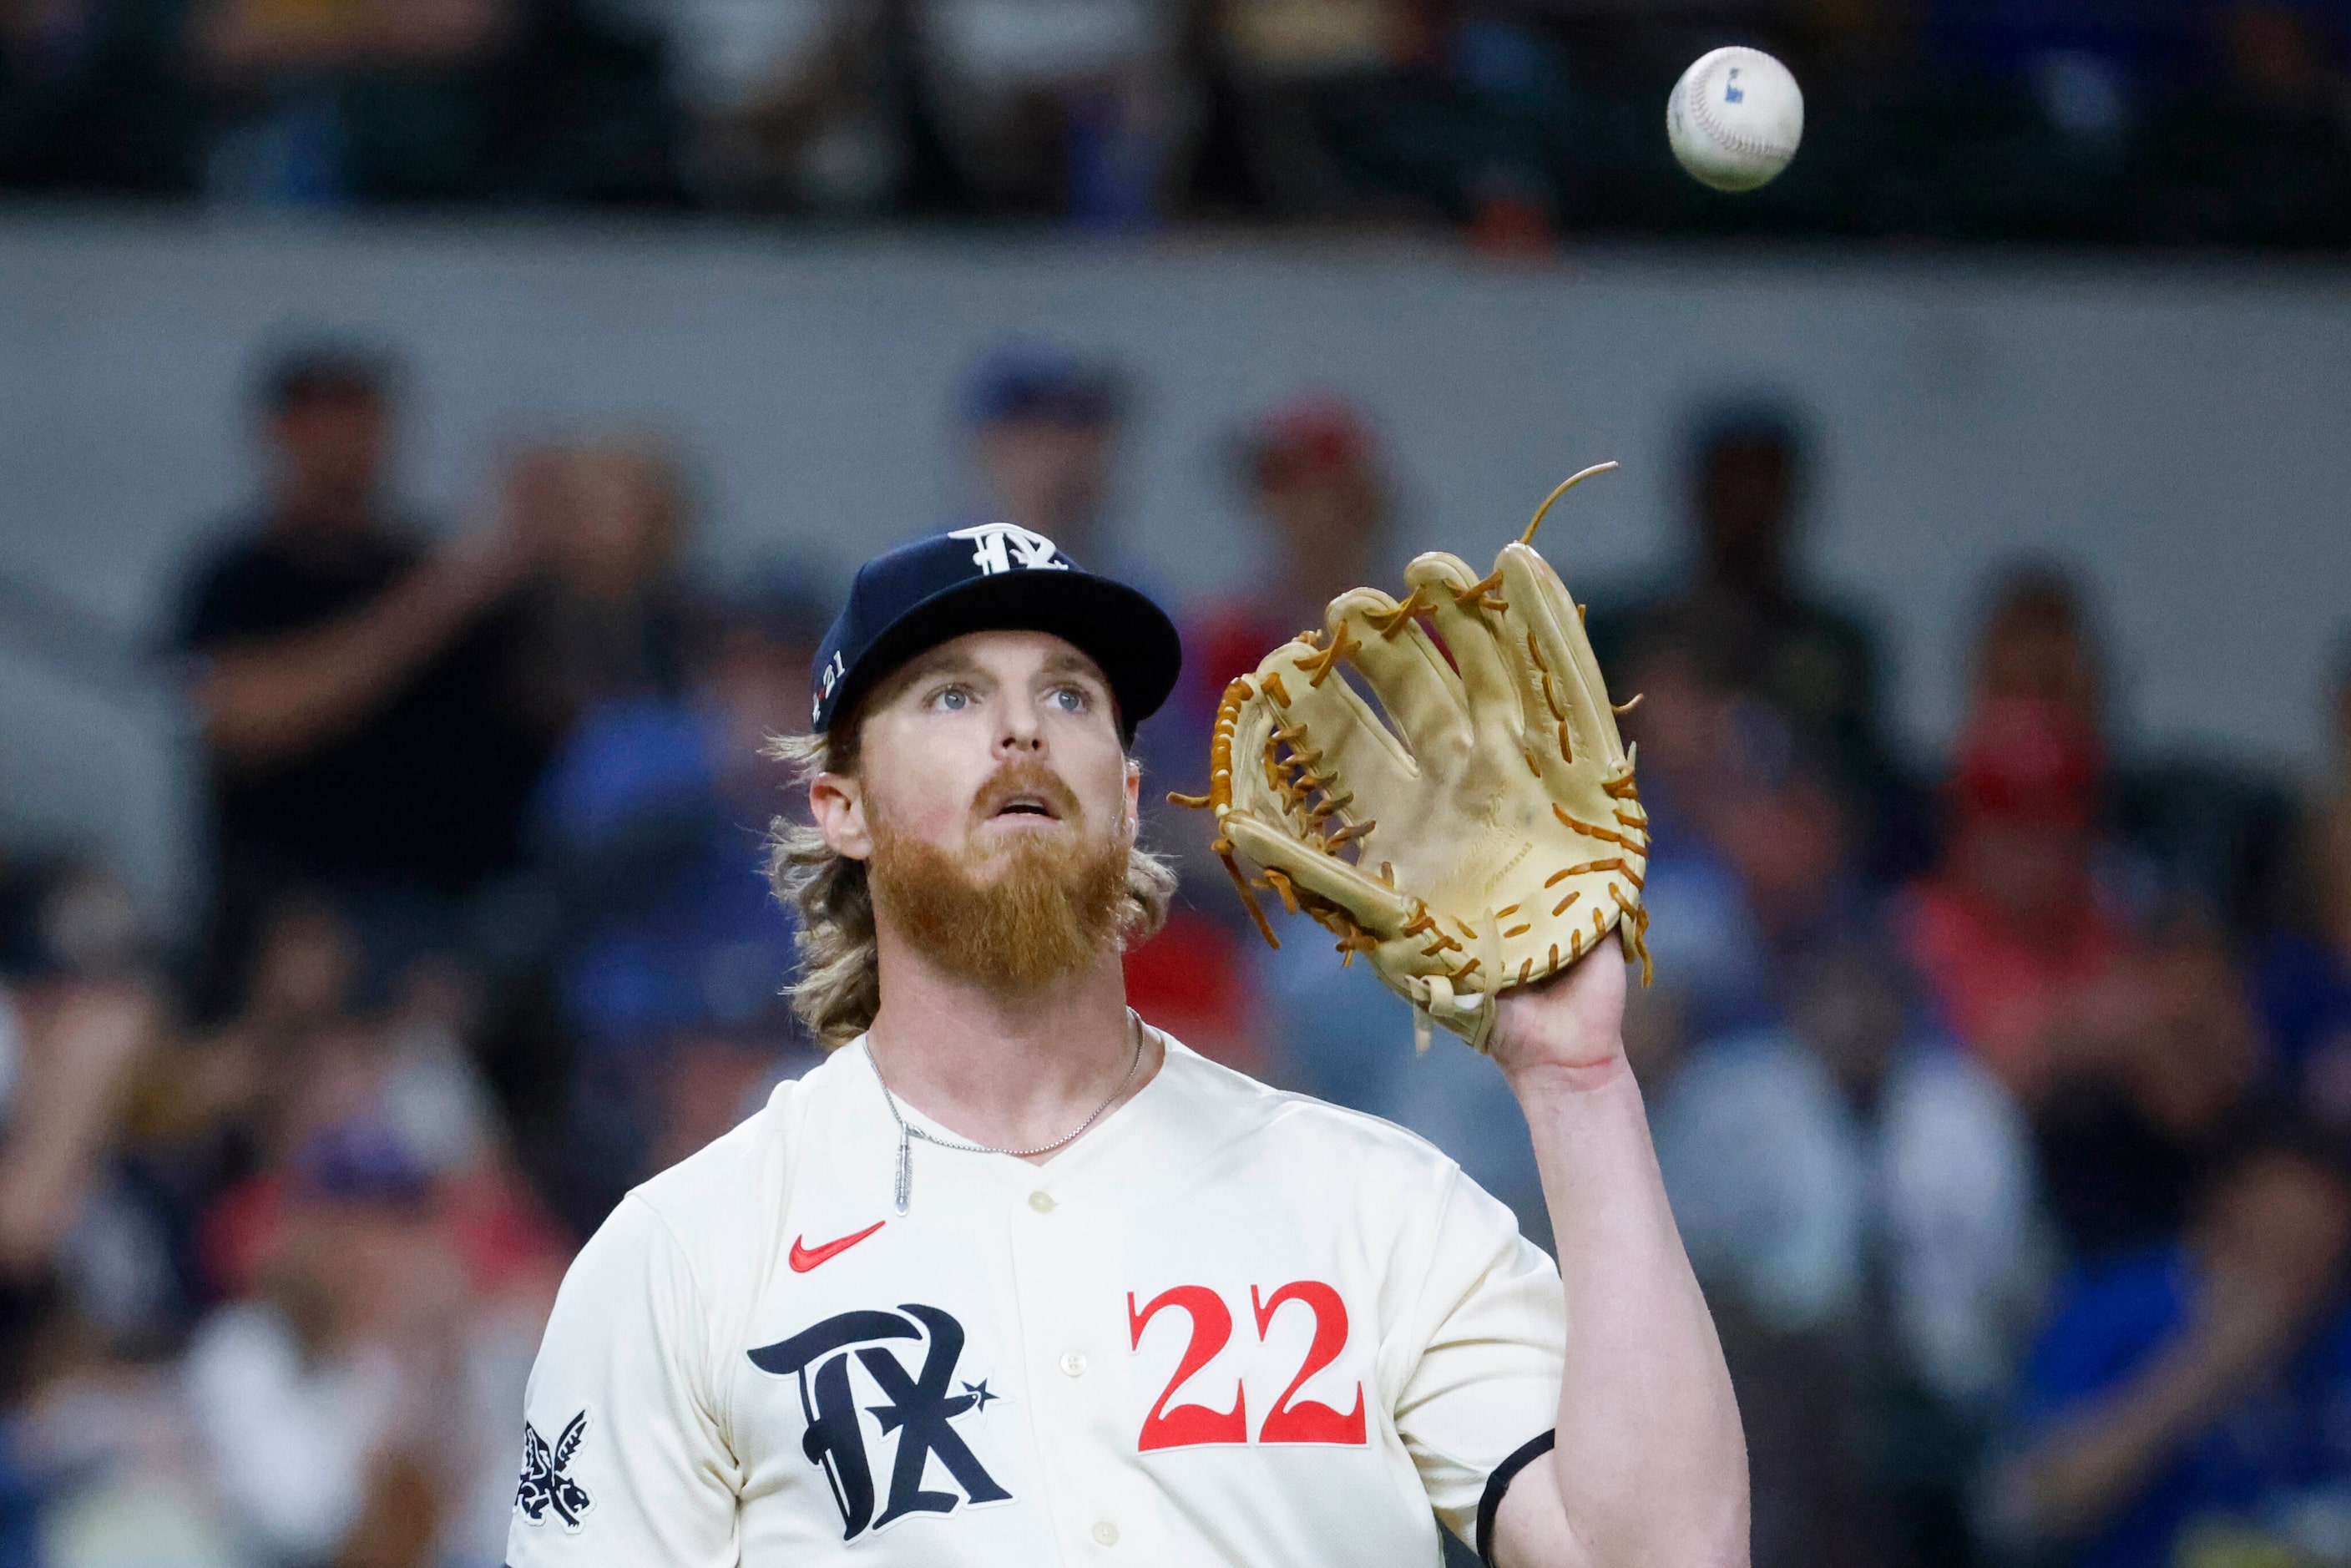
x,y
1106,1532
1074,1365
1043,1202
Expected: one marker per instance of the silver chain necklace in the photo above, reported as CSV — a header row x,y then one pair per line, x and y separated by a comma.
x,y
908,1133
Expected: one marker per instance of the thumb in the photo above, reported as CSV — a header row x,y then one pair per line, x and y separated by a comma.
x,y
1370,903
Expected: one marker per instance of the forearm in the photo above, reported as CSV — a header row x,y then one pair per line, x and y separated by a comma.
x,y
2090,1467
86,1039
263,701
1651,1464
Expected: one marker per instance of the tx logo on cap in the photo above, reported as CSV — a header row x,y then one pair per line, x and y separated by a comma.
x,y
998,547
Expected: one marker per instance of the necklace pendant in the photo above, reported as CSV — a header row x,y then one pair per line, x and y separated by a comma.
x,y
906,1135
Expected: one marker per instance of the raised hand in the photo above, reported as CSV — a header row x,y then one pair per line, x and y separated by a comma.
x,y
1568,1030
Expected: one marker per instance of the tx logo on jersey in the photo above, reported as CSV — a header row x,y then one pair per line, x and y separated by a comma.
x,y
918,1408
998,547
544,1484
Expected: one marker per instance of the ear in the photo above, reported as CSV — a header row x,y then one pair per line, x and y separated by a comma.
x,y
1133,800
837,806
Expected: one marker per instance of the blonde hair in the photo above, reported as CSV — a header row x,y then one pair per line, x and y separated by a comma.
x,y
838,987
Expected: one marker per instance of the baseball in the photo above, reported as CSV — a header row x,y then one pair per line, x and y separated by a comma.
x,y
1735,119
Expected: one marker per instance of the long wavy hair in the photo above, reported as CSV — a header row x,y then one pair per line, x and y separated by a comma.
x,y
838,987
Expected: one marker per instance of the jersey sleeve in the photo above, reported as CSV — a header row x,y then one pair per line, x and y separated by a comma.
x,y
624,1460
1485,1385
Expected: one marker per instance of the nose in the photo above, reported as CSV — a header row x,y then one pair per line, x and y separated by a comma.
x,y
1020,733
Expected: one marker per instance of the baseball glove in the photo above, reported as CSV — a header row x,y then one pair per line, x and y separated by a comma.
x,y
1486,831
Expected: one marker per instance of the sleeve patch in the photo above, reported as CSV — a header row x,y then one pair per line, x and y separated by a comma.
x,y
546,1487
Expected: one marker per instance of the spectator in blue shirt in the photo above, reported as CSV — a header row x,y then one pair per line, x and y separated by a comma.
x,y
652,827
2305,978
2197,1390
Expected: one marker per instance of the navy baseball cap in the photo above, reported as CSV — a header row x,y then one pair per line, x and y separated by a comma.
x,y
993,577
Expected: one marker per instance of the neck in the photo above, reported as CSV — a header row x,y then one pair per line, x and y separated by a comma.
x,y
1008,1069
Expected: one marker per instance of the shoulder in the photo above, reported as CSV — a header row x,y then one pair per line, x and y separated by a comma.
x,y
685,1254
1219,1102
1377,1192
1390,1189
716,1203
743,1178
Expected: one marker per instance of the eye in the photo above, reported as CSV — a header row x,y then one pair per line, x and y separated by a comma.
x,y
951,699
1071,699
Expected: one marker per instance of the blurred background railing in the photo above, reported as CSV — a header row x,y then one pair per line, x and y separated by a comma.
x,y
434,433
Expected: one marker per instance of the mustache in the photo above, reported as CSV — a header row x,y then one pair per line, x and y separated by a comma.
x,y
1027,778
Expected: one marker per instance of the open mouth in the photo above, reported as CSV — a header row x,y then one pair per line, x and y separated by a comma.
x,y
1028,806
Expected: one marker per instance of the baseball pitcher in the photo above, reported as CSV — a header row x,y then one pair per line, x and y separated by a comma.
x,y
1015,1279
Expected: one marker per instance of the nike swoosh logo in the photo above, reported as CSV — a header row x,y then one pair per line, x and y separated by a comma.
x,y
805,1258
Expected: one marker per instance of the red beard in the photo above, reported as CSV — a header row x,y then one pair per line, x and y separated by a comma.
x,y
1039,908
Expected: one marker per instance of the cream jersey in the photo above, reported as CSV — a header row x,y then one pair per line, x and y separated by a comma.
x,y
1228,1326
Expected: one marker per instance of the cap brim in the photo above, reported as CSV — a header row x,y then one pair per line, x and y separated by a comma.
x,y
1117,627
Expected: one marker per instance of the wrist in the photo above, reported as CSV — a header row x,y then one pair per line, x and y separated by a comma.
x,y
1571,1080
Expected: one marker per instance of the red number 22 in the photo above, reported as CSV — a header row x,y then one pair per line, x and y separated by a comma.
x,y
1306,1421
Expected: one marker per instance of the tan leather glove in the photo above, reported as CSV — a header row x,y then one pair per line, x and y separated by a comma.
x,y
1484,834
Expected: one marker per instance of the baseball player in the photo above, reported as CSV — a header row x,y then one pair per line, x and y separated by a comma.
x,y
1014,1278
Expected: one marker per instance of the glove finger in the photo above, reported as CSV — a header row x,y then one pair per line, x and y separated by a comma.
x,y
1404,670
1561,682
1345,741
1373,903
1459,606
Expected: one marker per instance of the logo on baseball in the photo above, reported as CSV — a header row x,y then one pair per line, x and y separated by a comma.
x,y
1735,119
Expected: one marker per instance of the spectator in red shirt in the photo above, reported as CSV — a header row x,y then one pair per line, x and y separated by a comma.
x,y
1313,475
2009,929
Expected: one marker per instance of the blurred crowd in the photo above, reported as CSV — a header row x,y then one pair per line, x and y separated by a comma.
x,y
2003,1097
1522,123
